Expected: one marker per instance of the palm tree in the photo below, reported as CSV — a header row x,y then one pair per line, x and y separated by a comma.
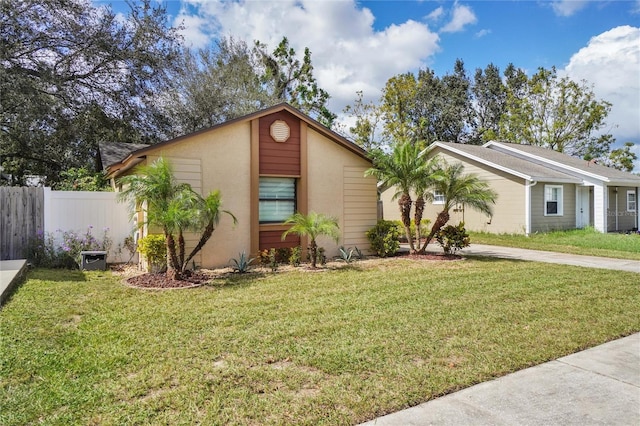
x,y
407,170
174,207
207,219
312,225
459,189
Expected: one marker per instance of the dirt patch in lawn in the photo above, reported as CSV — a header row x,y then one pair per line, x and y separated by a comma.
x,y
162,281
431,256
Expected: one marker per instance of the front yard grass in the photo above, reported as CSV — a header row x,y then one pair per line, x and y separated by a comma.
x,y
578,241
335,347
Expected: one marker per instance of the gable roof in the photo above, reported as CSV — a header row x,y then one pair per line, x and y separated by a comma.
x,y
113,152
565,163
131,159
507,163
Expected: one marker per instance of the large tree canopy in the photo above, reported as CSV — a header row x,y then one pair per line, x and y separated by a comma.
x,y
544,110
73,74
552,112
231,79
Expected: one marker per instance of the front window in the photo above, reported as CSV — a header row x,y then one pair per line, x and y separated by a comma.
x,y
632,203
553,200
277,199
438,197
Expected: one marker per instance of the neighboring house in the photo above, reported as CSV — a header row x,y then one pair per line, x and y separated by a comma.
x,y
538,190
268,165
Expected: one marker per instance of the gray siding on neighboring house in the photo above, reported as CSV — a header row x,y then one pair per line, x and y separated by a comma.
x,y
508,212
542,223
619,219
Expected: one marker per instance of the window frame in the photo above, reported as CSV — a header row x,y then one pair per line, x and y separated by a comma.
x,y
262,200
559,202
635,200
438,197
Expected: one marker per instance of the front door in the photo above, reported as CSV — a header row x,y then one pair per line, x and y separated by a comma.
x,y
582,206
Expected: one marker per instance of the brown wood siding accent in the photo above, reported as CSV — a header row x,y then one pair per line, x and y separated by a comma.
x,y
273,239
280,158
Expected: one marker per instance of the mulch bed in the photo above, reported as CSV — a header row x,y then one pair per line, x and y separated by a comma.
x,y
134,278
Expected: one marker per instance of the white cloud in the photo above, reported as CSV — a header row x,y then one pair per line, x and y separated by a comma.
x,y
611,62
462,16
348,55
482,33
568,7
438,13
196,30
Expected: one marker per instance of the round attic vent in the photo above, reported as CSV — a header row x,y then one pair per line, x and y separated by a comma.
x,y
279,131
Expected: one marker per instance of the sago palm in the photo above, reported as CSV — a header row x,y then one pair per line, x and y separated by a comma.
x,y
404,169
313,226
459,188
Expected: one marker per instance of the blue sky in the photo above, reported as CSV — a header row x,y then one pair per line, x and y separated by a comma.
x,y
359,45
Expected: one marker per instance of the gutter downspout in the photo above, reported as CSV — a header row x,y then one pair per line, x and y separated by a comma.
x,y
527,205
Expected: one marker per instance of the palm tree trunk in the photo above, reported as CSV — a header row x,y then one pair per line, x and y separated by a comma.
x,y
404,202
417,218
181,249
206,234
441,220
313,252
173,269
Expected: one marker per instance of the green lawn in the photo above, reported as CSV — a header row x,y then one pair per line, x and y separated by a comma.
x,y
579,241
335,347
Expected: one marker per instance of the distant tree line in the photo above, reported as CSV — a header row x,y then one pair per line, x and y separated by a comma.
x,y
74,74
543,110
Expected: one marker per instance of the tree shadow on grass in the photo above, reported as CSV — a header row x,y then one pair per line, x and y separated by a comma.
x,y
235,280
57,275
492,259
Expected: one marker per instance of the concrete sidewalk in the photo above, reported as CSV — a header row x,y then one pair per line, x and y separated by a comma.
x,y
546,256
600,386
11,272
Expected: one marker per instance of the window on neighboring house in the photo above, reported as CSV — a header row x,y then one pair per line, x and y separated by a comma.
x,y
553,200
438,197
277,199
632,202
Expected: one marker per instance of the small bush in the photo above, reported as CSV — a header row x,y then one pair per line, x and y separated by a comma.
x,y
384,238
41,251
424,227
453,238
153,248
295,258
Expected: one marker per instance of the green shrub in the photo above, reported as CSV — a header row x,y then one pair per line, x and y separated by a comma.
x,y
384,238
153,248
453,238
295,258
424,227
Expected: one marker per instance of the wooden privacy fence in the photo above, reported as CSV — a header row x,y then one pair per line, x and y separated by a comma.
x,y
25,211
21,217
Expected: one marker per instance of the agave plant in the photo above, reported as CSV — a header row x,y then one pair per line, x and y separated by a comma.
x,y
242,263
